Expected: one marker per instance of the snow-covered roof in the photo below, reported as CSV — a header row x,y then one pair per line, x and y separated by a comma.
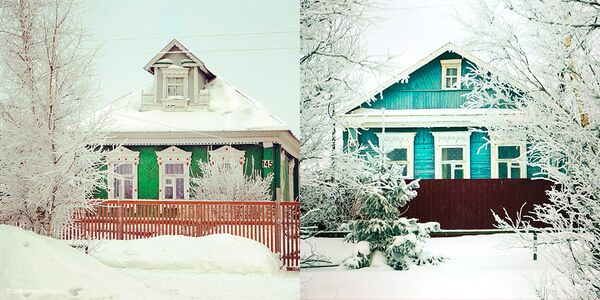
x,y
449,47
231,117
229,110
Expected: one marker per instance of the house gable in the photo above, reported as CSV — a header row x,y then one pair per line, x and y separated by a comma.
x,y
423,88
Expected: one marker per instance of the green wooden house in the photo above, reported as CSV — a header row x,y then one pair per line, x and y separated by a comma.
x,y
418,119
187,115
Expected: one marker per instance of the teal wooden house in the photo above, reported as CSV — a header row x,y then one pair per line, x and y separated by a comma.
x,y
418,119
186,115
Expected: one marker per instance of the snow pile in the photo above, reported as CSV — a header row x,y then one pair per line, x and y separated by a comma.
x,y
38,267
214,253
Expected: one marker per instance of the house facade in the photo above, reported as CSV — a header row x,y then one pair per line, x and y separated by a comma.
x,y
418,119
188,114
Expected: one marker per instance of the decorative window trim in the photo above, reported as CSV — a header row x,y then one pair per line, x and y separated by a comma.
x,y
227,154
122,155
174,71
173,155
497,141
452,139
451,63
389,141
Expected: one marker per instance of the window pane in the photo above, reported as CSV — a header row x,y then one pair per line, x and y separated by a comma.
x,y
398,154
515,171
452,154
446,171
168,192
459,174
172,169
179,188
117,188
124,169
128,193
404,169
502,170
451,71
508,152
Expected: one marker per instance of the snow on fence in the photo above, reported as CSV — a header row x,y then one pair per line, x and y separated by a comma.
x,y
274,224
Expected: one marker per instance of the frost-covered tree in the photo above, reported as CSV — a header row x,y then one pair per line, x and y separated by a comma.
x,y
552,48
50,139
381,231
228,182
332,66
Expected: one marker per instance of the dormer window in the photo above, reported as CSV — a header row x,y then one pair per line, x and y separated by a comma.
x,y
175,87
451,74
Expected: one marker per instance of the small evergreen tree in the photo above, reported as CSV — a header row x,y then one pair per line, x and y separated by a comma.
x,y
400,240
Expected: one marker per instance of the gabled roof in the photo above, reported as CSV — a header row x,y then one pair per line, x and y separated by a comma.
x,y
183,49
404,75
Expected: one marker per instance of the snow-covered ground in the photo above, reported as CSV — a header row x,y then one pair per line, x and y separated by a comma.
x,y
166,267
477,267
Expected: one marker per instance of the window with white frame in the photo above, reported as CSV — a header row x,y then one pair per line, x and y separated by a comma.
x,y
508,158
453,163
174,173
122,178
399,148
175,86
451,73
452,159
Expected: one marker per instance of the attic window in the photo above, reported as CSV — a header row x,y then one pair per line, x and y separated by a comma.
x,y
451,74
175,87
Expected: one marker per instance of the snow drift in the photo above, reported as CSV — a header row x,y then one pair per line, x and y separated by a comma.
x,y
39,267
213,253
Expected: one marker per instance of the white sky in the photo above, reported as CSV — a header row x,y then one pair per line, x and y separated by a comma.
x,y
409,30
129,33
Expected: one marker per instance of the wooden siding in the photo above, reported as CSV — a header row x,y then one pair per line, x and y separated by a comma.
x,y
423,90
468,203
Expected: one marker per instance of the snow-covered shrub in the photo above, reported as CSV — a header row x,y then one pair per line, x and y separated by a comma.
x,y
50,138
381,229
229,182
552,49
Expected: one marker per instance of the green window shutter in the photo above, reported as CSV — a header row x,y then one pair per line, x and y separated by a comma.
x,y
148,174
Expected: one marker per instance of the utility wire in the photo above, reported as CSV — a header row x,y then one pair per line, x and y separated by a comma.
x,y
202,51
193,35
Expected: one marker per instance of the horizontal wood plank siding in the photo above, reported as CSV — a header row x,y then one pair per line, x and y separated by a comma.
x,y
423,90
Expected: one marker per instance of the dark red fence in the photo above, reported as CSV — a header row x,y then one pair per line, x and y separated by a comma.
x,y
276,225
468,203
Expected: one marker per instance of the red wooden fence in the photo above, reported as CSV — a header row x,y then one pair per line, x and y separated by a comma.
x,y
276,225
468,203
